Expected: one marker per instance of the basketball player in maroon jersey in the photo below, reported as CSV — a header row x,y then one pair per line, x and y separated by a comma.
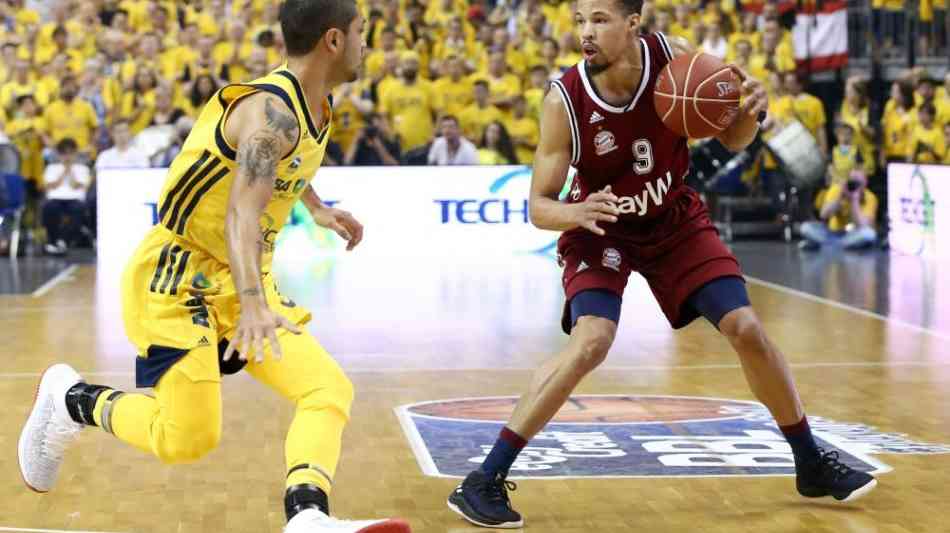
x,y
630,211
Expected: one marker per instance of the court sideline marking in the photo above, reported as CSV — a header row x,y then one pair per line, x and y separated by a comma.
x,y
853,309
64,275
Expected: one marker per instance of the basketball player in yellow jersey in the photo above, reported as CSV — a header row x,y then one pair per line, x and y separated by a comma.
x,y
198,296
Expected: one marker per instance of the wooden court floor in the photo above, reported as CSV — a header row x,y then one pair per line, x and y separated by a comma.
x,y
411,332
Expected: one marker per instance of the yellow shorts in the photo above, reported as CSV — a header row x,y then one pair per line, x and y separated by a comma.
x,y
176,297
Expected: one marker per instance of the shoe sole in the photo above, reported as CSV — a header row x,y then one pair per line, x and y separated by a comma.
x,y
856,494
504,525
20,443
393,525
861,492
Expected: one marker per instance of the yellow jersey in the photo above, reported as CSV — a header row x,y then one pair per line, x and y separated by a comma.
x,y
926,145
194,199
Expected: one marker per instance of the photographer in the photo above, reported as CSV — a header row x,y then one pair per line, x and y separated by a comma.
x,y
847,216
374,145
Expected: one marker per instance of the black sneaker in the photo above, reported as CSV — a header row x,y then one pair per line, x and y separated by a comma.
x,y
484,501
827,476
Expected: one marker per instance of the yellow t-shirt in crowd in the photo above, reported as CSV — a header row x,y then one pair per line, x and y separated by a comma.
x,y
754,38
138,109
347,122
678,30
806,109
840,220
533,98
898,126
926,145
452,96
507,86
76,119
844,159
222,54
12,90
943,111
26,134
25,16
474,119
858,120
523,128
409,109
490,156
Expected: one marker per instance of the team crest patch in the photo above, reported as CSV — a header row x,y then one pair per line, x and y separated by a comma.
x,y
636,436
612,259
576,192
604,143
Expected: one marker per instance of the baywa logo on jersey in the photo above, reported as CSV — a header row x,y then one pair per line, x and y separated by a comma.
x,y
637,436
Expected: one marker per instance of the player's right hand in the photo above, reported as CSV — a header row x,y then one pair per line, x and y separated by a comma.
x,y
598,207
256,326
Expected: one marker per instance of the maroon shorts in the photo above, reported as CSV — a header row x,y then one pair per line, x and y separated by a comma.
x,y
675,263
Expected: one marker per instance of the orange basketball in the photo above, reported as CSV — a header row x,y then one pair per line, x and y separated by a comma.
x,y
697,95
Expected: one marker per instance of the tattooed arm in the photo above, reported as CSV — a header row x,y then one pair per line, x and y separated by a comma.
x,y
264,130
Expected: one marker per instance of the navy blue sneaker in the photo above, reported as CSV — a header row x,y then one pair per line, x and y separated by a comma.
x,y
827,476
483,501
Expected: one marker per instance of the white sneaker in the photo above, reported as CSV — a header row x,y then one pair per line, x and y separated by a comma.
x,y
49,430
314,521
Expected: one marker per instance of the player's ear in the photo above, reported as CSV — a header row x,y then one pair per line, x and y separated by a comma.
x,y
334,39
633,21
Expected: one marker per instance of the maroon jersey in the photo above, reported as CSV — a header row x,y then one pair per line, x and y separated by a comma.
x,y
628,148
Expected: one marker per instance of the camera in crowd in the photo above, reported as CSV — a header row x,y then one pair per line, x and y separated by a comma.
x,y
854,185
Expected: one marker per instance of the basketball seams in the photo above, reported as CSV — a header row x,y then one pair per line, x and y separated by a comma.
x,y
711,78
689,73
669,72
708,100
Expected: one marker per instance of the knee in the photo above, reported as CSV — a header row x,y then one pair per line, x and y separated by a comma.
x,y
594,336
337,394
189,444
742,327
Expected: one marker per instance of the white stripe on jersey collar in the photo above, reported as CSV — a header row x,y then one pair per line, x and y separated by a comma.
x,y
582,68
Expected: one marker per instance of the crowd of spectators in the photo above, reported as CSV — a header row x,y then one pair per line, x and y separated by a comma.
x,y
118,83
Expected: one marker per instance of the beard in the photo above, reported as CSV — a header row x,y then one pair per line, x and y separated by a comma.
x,y
596,68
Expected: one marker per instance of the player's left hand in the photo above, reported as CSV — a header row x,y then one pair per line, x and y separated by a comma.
x,y
342,222
755,99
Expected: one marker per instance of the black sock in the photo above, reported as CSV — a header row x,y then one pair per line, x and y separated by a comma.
x,y
81,401
503,453
799,437
305,496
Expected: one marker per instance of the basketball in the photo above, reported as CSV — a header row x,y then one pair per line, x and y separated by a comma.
x,y
697,95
